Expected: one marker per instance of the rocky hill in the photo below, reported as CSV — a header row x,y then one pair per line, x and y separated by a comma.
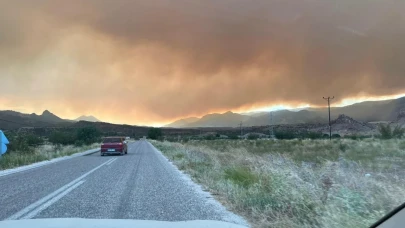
x,y
13,120
344,125
87,118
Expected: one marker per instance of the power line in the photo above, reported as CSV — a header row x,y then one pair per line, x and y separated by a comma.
x,y
330,126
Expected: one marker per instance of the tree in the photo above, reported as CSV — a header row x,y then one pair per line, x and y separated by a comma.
x,y
62,138
154,133
88,135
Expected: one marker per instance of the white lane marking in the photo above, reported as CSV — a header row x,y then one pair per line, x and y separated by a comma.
x,y
113,160
52,195
44,206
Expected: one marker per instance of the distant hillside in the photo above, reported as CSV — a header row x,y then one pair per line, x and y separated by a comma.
x,y
87,118
183,122
47,116
13,120
369,111
343,125
228,119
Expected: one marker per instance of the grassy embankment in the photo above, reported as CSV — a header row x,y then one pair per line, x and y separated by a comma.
x,y
25,148
298,183
41,153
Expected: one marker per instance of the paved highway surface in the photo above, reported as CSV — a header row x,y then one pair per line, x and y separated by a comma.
x,y
140,185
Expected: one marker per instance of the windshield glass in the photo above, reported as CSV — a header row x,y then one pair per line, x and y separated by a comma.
x,y
112,140
264,113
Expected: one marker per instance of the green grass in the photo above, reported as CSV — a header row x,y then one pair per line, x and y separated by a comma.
x,y
241,176
298,183
42,153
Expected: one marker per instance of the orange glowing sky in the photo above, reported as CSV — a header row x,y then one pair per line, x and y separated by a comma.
x,y
150,62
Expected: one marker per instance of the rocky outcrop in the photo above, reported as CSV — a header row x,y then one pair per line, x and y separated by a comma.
x,y
343,119
346,124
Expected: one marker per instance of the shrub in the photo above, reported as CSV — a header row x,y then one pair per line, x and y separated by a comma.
x,y
336,136
385,131
233,136
33,140
352,137
18,143
79,143
253,136
300,135
343,147
284,135
155,133
241,176
313,135
209,137
398,132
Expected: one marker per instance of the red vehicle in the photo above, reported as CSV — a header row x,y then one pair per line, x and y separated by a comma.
x,y
114,145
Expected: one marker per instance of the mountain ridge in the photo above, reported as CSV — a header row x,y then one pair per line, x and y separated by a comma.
x,y
368,111
89,118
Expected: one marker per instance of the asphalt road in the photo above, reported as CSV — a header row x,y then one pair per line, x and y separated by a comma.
x,y
141,185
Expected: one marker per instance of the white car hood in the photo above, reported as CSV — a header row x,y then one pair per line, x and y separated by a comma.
x,y
112,223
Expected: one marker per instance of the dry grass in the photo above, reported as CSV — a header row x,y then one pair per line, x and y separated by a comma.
x,y
308,183
41,153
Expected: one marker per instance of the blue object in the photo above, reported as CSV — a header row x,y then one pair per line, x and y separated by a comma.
x,y
3,143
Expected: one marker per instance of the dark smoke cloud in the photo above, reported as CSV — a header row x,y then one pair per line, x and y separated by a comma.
x,y
167,59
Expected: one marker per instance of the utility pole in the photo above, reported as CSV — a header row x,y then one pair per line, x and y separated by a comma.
x,y
330,126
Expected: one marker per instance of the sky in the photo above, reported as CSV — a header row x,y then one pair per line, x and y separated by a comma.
x,y
150,62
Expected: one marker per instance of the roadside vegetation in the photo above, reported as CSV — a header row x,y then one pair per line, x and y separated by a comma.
x,y
25,149
298,183
155,133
